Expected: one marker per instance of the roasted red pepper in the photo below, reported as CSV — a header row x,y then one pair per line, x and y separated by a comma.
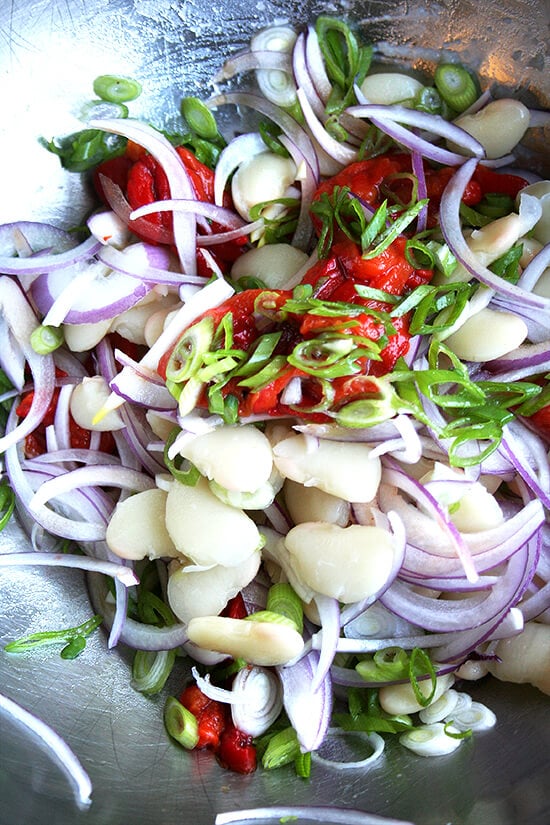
x,y
237,751
210,716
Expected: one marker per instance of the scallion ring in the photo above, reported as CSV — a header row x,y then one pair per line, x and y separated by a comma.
x,y
116,88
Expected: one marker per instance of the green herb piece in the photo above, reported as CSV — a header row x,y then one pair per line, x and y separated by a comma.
x,y
507,266
420,664
84,150
496,205
180,723
270,135
7,503
73,639
282,749
347,61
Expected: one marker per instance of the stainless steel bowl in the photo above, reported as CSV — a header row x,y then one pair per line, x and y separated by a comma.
x,y
50,51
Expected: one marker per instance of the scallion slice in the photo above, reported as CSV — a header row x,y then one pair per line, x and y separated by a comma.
x,y
456,86
116,88
180,723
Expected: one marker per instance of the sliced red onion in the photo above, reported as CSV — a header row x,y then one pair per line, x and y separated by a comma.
x,y
303,78
309,179
452,232
261,700
106,476
122,263
281,118
23,238
49,263
118,203
316,813
124,574
316,65
374,740
309,712
22,321
528,454
141,386
329,614
534,269
536,604
418,171
213,212
527,360
178,179
251,60
241,148
55,746
12,358
435,124
425,499
344,153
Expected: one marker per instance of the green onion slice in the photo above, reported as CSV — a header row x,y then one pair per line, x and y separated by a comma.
x,y
180,723
151,669
116,88
456,85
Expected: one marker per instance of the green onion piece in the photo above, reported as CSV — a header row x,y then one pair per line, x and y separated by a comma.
x,y
81,151
270,136
496,205
419,255
302,764
46,339
184,471
374,407
456,734
373,294
151,669
386,665
469,217
180,723
187,355
152,609
282,749
7,503
281,598
199,118
271,618
456,85
420,664
54,637
428,100
374,721
507,266
266,374
116,89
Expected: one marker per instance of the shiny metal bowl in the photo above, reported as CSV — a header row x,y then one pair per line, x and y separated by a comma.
x,y
50,51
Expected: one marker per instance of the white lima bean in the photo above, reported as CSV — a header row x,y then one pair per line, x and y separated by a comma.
x,y
343,469
487,335
87,399
193,592
258,643
83,337
130,324
205,529
390,87
137,528
263,177
398,699
471,506
346,563
275,264
237,457
524,658
499,126
311,504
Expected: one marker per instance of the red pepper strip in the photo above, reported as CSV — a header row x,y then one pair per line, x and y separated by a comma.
x,y
235,608
236,751
491,181
541,420
210,716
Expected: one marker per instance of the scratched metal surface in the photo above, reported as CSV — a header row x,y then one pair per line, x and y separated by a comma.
x,y
50,51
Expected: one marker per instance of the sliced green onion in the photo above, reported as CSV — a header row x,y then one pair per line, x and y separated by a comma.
x,y
266,374
180,723
420,664
386,665
74,648
430,740
302,764
54,637
187,355
419,255
282,749
116,88
151,669
281,598
46,339
183,471
84,150
428,100
496,205
152,609
7,503
456,85
373,721
103,109
199,118
270,136
269,617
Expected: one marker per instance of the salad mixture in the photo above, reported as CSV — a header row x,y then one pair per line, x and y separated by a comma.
x,y
285,398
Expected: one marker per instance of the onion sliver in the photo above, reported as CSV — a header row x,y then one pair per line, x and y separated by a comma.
x,y
48,263
374,740
124,574
309,712
55,746
178,179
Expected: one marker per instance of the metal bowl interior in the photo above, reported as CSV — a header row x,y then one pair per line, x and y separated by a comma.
x,y
50,51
